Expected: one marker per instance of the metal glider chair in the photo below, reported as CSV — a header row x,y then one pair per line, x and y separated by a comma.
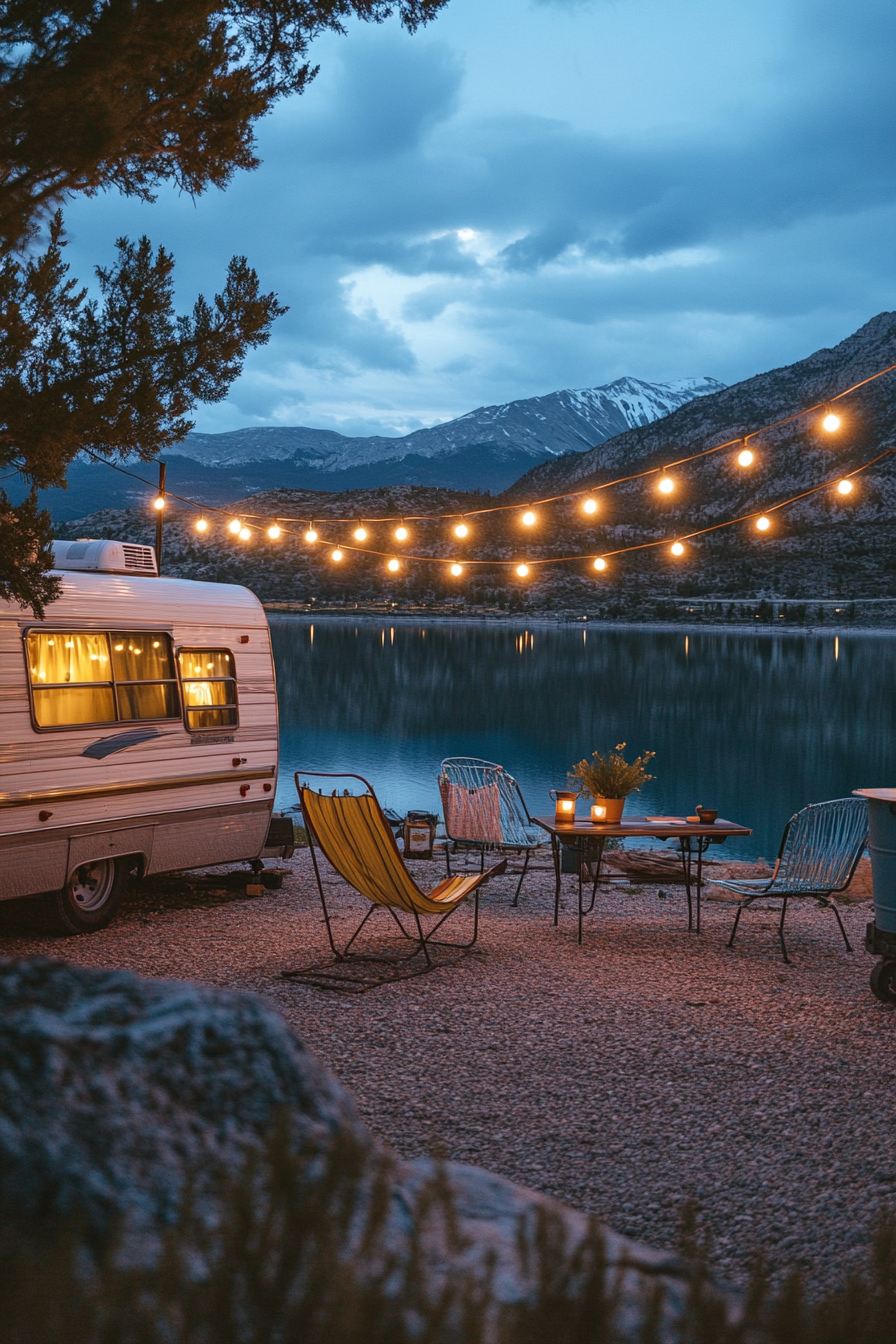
x,y
484,809
820,850
354,836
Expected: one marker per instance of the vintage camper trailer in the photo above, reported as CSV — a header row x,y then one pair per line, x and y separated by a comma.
x,y
139,731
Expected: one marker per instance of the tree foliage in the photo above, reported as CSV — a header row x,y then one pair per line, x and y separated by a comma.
x,y
127,94
131,93
114,376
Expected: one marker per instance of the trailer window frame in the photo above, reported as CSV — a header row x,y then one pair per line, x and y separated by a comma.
x,y
233,705
112,682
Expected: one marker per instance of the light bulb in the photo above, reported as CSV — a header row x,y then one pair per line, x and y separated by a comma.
x,y
745,458
600,563
666,485
528,518
393,565
590,506
360,534
844,487
522,570
336,555
401,533
201,525
763,524
461,530
158,503
273,531
245,534
677,548
457,570
234,526
831,422
311,535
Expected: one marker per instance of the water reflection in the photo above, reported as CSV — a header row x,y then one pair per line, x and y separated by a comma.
x,y
756,725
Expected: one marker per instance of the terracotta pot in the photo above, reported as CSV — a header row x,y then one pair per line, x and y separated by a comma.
x,y
607,811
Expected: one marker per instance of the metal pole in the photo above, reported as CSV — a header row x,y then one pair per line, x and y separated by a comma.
x,y
160,513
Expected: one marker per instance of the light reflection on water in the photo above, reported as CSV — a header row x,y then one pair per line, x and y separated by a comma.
x,y
756,725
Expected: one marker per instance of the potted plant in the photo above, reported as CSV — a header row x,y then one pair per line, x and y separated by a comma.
x,y
610,779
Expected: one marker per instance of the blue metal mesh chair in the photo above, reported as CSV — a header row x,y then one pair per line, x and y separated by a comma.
x,y
820,850
484,809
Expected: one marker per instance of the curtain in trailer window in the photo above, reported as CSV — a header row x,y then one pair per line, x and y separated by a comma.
x,y
85,677
209,682
57,662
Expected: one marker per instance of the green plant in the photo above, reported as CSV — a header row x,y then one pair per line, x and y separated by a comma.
x,y
611,776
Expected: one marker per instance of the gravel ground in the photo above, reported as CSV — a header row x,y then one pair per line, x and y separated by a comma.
x,y
620,1076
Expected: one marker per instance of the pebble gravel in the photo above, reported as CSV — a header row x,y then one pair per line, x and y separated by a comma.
x,y
622,1076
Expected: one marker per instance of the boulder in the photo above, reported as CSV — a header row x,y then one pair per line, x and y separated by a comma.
x,y
136,1111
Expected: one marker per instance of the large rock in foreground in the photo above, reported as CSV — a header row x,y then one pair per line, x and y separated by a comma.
x,y
141,1111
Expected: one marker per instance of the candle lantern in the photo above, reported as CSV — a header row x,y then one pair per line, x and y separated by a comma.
x,y
564,804
599,812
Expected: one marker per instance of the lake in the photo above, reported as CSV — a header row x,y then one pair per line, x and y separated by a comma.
x,y
756,725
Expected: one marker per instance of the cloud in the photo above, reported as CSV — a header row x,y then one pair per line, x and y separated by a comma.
x,y
435,260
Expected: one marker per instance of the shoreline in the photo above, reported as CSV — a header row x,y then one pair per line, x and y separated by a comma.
x,y
542,620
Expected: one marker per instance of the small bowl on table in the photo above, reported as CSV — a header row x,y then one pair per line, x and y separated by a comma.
x,y
707,815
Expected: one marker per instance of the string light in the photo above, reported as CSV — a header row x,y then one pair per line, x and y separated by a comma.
x,y
763,524
244,534
844,487
666,485
461,530
589,506
311,535
522,570
401,533
336,555
273,531
158,502
745,457
677,548
360,534
393,565
528,519
600,563
456,570
831,421
201,525
234,526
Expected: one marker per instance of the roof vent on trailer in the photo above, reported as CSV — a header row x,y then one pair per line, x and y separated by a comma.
x,y
105,557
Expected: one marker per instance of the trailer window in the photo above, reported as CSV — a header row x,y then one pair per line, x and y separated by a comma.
x,y
209,681
87,677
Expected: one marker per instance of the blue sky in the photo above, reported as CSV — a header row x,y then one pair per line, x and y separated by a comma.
x,y
536,194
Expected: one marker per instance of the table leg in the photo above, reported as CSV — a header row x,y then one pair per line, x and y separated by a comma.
x,y
685,845
580,850
555,852
699,878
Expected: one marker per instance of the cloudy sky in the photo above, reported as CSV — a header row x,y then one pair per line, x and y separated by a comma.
x,y
536,194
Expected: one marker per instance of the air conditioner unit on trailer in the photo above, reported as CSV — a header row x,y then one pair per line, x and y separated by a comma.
x,y
105,557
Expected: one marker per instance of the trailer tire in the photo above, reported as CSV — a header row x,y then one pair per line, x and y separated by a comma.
x,y
91,896
883,981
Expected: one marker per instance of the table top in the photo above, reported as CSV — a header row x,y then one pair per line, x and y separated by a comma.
x,y
640,826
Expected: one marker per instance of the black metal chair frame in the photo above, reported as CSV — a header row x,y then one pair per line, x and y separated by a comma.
x,y
423,940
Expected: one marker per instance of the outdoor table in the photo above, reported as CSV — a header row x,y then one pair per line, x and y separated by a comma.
x,y
693,838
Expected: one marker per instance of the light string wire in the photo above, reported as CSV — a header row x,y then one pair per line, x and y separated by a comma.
x,y
603,555
503,508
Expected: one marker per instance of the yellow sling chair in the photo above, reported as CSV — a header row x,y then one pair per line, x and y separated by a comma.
x,y
356,839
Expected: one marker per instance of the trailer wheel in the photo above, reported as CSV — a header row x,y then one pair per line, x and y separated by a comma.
x,y
91,896
883,981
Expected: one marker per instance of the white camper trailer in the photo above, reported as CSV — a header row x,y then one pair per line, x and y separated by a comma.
x,y
139,731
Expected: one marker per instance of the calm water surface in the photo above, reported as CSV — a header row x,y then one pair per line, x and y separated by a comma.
x,y
755,725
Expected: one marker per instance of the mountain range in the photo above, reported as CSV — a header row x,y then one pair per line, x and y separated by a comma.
x,y
486,449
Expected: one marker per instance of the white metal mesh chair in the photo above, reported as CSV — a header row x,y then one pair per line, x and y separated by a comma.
x,y
484,809
819,852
